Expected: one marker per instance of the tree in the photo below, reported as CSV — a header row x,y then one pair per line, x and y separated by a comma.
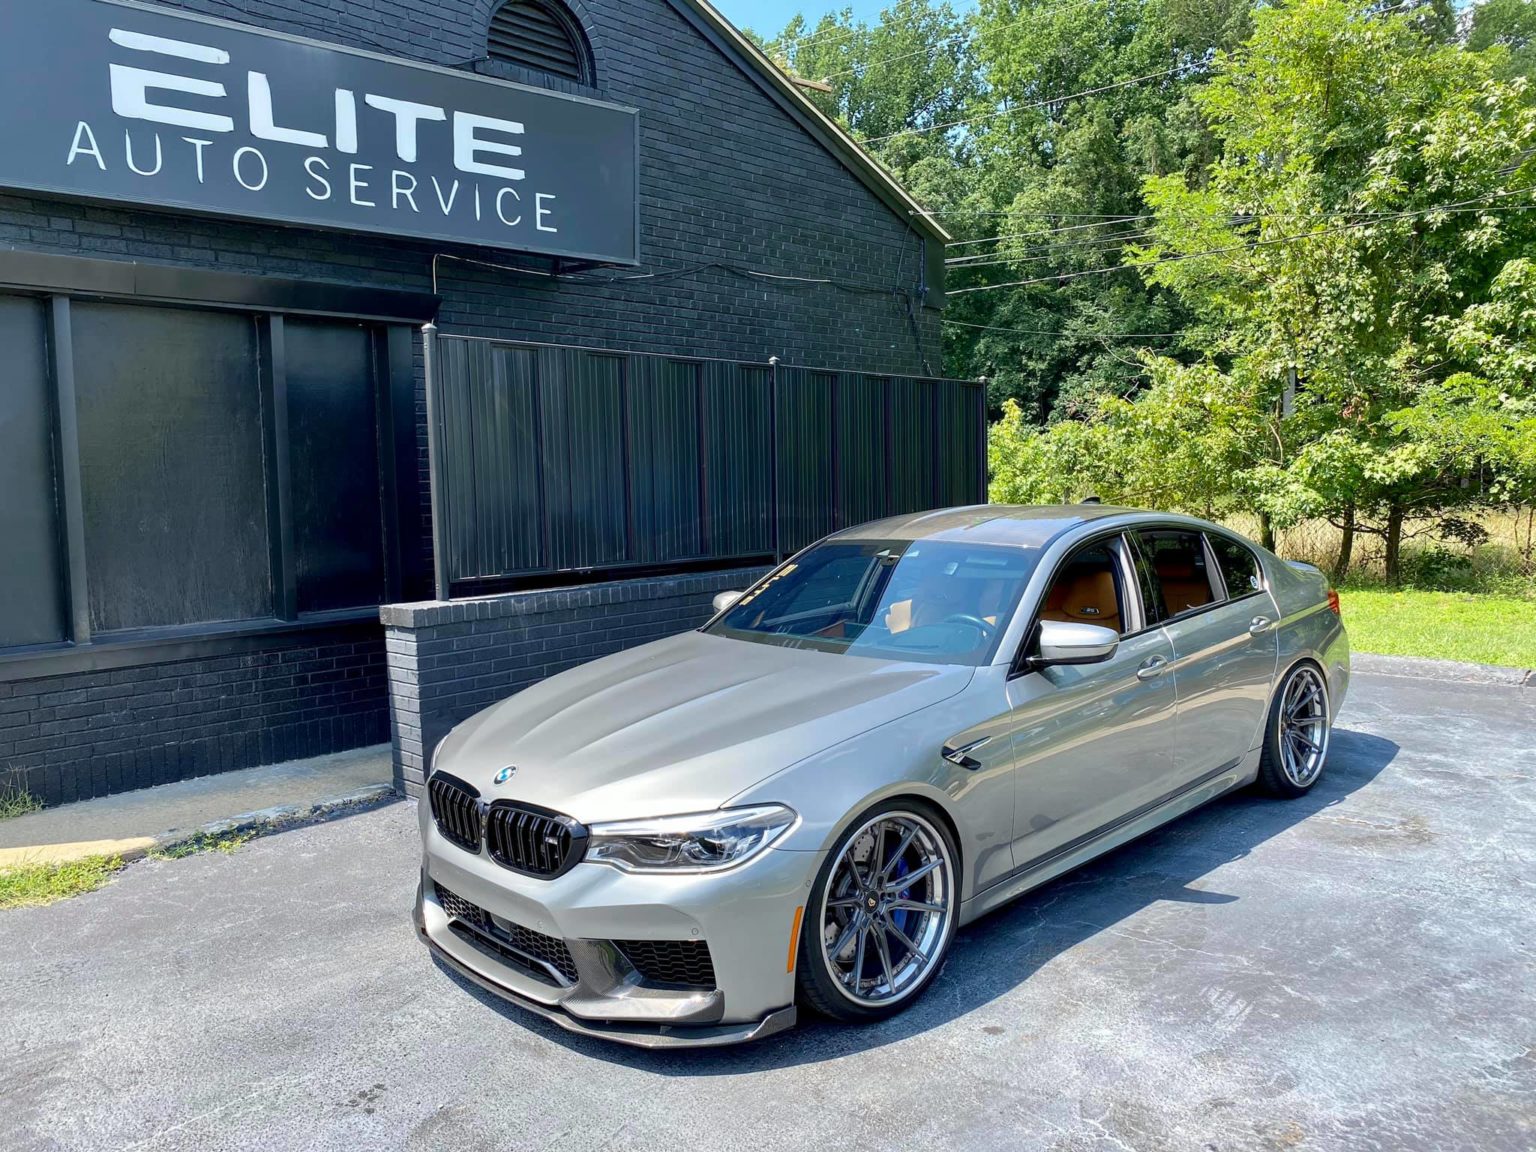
x,y
1509,25
1361,202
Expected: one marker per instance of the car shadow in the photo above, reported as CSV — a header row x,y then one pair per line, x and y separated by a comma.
x,y
1001,950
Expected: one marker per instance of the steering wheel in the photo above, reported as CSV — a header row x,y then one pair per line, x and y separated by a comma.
x,y
975,622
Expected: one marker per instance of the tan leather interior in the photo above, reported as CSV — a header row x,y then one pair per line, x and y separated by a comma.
x,y
1085,597
904,614
1184,585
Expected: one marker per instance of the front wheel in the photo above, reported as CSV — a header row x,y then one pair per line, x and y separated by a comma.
x,y
1296,739
881,914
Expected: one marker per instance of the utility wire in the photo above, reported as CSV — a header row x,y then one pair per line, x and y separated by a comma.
x,y
972,259
1087,334
1244,247
1035,104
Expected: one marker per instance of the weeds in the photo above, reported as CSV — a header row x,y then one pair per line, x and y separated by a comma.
x,y
33,885
202,842
16,801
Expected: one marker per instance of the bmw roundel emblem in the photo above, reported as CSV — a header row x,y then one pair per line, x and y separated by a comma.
x,y
505,774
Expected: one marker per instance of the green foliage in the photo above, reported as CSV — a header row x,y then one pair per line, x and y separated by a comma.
x,y
35,884
16,801
1233,256
1508,26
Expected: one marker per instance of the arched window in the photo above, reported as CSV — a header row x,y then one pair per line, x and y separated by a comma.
x,y
543,36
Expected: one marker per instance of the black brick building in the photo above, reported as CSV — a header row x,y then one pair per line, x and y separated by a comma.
x,y
213,424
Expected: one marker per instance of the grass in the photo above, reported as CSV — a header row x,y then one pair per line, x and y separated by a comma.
x,y
17,802
202,842
37,884
1477,626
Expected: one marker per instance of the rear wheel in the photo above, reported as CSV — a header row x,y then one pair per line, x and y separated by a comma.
x,y
1296,741
881,915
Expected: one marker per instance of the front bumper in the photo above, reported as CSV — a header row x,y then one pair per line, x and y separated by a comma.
x,y
746,916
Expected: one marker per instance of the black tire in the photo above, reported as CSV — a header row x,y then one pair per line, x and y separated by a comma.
x,y
816,985
1278,765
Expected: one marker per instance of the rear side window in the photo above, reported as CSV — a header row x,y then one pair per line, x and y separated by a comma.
x,y
1179,570
1239,567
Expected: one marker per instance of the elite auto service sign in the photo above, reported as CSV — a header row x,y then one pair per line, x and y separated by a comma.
x,y
121,102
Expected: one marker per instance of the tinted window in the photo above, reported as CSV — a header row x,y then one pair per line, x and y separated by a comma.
x,y
1239,567
171,466
338,531
933,601
1087,591
1178,565
31,609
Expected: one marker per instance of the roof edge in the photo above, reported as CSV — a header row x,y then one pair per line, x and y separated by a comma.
x,y
828,132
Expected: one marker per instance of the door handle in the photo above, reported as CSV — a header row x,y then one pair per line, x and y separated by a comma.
x,y
1259,625
1152,667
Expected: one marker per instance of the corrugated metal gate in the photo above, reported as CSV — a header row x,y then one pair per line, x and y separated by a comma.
x,y
550,459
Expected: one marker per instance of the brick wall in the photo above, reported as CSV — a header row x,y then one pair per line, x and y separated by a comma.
x,y
726,176
450,659
66,738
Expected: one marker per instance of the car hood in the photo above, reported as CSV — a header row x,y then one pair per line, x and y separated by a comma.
x,y
680,725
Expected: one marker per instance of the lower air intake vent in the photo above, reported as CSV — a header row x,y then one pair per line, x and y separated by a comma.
x,y
684,962
543,957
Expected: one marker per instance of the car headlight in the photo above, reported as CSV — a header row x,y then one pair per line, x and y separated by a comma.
x,y
704,842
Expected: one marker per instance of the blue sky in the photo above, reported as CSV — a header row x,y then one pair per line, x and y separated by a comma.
x,y
770,16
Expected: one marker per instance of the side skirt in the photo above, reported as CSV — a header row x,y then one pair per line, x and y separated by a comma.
x,y
1033,875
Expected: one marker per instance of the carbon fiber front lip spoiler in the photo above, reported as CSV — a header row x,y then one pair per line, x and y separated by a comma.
x,y
635,1035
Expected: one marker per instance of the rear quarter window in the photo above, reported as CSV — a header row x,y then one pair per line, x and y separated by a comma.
x,y
1239,566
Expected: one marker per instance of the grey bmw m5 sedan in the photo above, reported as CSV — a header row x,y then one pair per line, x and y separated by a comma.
x,y
892,733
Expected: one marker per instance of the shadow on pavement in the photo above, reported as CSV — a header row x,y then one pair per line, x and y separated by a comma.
x,y
995,954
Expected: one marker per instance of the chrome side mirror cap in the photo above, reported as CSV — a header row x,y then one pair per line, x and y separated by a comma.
x,y
724,600
1068,642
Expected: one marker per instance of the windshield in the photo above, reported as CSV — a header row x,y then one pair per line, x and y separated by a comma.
x,y
935,601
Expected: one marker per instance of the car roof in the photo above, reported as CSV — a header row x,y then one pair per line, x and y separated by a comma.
x,y
1023,525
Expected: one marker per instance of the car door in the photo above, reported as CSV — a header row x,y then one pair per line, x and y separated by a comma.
x,y
1092,743
1224,643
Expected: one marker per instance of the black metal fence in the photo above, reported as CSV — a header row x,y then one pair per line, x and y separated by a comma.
x,y
556,461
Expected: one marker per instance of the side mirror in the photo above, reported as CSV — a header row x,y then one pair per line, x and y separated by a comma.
x,y
724,600
1068,642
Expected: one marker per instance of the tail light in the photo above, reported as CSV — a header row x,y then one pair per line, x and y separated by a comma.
x,y
1333,603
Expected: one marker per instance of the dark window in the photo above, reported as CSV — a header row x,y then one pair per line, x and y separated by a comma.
x,y
31,608
936,601
171,466
1239,567
338,533
1087,590
543,37
1178,563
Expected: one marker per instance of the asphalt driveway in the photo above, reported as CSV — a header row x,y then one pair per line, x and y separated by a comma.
x,y
1356,970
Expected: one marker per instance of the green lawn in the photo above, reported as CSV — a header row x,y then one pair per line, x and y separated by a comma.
x,y
1476,626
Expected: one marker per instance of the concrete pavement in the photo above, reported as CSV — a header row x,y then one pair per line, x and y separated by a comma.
x,y
1348,971
131,824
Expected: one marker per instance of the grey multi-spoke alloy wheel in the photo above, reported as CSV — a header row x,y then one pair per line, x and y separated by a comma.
x,y
1296,742
881,914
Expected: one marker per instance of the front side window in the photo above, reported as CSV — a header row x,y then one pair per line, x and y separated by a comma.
x,y
1182,576
933,601
1088,590
1239,567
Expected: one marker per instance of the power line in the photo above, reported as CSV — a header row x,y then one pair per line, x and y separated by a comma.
x,y
1035,104
977,259
1044,232
982,259
1247,246
1062,332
